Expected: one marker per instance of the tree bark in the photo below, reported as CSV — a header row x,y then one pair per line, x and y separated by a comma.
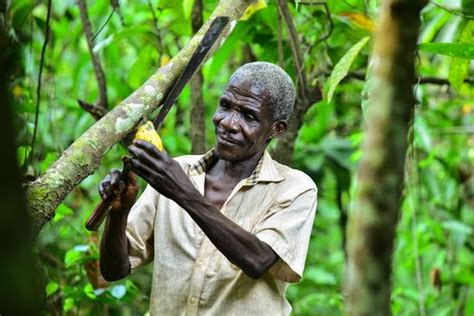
x,y
83,157
372,224
198,126
20,291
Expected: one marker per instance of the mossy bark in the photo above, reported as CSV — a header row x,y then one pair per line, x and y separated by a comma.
x,y
83,157
372,223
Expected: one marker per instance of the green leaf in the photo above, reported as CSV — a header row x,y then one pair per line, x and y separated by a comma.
x,y
62,211
459,66
51,288
343,66
188,8
320,276
461,50
68,304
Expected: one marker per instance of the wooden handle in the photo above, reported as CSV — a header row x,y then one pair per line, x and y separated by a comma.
x,y
101,211
98,216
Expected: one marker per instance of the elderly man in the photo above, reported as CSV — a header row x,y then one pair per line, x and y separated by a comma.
x,y
227,231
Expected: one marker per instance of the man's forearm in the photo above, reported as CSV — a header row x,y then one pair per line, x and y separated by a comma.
x,y
114,263
239,246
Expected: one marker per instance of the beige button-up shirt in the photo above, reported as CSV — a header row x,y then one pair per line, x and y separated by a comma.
x,y
190,276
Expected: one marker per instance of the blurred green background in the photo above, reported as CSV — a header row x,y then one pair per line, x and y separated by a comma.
x,y
433,268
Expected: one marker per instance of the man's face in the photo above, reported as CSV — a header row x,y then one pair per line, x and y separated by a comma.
x,y
242,122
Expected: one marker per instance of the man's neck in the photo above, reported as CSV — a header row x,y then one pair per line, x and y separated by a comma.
x,y
234,170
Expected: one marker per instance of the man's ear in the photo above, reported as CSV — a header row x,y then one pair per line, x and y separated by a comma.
x,y
279,128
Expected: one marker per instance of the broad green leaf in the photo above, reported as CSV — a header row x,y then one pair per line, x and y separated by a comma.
x,y
461,50
459,66
343,66
51,288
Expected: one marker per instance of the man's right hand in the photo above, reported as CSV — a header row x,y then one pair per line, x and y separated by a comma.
x,y
122,192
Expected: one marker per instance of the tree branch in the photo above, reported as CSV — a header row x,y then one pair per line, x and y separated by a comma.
x,y
102,103
301,83
40,73
83,156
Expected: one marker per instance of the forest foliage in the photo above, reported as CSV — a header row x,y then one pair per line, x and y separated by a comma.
x,y
433,272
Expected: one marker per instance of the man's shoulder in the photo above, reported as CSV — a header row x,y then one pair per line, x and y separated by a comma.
x,y
295,178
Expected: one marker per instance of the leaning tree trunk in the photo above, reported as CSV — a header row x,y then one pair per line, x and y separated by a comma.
x,y
83,157
372,224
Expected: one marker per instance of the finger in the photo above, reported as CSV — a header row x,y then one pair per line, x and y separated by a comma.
x,y
107,186
102,193
142,170
115,178
148,147
144,156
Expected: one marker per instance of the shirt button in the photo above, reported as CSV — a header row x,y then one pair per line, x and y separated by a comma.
x,y
193,299
201,264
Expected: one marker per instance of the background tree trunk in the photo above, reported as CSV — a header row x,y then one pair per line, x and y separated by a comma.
x,y
372,224
198,126
19,285
83,157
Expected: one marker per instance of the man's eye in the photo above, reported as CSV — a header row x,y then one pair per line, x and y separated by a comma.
x,y
250,117
225,105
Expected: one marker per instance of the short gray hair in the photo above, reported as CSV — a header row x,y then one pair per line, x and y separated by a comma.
x,y
275,81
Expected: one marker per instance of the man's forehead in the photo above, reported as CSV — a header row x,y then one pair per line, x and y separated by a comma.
x,y
247,86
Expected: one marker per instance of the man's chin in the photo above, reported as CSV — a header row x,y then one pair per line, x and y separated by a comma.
x,y
226,154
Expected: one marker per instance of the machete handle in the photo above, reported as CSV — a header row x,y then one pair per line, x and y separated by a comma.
x,y
101,210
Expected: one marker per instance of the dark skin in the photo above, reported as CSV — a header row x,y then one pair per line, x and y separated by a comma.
x,y
243,128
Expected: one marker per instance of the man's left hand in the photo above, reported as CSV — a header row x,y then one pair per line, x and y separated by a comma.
x,y
160,171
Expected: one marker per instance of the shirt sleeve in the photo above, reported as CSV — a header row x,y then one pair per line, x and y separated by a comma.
x,y
140,227
286,228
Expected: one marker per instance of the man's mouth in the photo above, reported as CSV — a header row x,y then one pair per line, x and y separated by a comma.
x,y
226,141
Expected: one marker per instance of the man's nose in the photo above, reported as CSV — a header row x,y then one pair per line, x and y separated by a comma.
x,y
230,121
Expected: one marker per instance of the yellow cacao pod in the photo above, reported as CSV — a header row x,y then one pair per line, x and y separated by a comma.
x,y
148,133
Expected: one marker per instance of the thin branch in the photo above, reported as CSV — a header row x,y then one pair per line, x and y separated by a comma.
x,y
106,21
295,47
155,26
280,42
95,111
421,80
453,11
40,73
99,72
328,15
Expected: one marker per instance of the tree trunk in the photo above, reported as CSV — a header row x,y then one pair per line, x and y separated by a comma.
x,y
83,157
20,293
372,224
198,126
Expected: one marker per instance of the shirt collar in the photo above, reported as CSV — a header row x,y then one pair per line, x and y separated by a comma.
x,y
265,171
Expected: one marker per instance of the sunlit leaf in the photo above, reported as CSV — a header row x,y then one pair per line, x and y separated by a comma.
x,y
342,67
252,8
188,8
359,20
461,50
51,288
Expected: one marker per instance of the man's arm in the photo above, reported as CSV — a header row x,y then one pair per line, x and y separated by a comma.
x,y
239,246
114,263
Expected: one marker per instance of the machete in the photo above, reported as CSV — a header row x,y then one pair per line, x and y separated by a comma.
x,y
215,29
